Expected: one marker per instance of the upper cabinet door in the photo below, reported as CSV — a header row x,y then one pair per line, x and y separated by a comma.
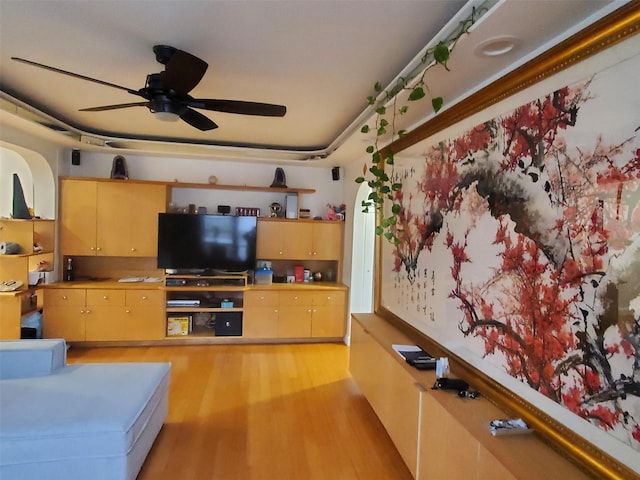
x,y
146,202
113,219
269,240
327,240
116,218
78,204
299,240
128,218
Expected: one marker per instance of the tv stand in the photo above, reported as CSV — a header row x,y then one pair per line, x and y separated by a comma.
x,y
204,305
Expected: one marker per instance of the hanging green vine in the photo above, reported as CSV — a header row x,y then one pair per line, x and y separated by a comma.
x,y
382,184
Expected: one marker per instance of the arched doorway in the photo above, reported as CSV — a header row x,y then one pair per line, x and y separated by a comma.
x,y
362,257
35,175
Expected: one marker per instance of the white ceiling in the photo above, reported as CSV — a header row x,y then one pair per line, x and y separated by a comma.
x,y
320,58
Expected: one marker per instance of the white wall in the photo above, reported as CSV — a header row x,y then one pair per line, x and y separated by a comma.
x,y
144,167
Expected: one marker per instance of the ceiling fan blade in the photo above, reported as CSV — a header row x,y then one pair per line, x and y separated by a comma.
x,y
114,107
77,75
196,119
238,106
183,72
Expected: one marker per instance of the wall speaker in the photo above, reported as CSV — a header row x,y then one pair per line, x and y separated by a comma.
x,y
75,157
335,173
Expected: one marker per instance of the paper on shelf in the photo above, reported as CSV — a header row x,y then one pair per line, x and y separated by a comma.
x,y
409,351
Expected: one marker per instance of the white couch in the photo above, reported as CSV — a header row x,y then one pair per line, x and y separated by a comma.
x,y
80,421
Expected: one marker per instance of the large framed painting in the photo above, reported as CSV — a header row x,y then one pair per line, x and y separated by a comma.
x,y
519,253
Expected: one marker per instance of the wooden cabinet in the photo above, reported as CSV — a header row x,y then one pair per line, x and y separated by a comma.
x,y
36,240
329,313
282,239
294,319
64,314
27,234
390,389
295,313
78,315
438,434
261,312
144,315
110,218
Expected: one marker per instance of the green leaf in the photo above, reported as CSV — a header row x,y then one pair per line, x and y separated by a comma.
x,y
370,149
396,186
384,122
364,129
375,158
403,110
441,53
396,208
402,133
381,110
377,87
360,180
390,159
371,100
388,235
379,230
416,94
385,189
437,103
382,131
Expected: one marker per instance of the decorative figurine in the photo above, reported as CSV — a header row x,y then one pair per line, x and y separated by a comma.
x,y
119,168
279,179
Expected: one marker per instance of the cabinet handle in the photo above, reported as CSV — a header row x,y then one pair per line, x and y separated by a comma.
x,y
88,311
105,297
275,310
98,248
280,253
133,249
261,298
144,297
92,248
329,297
127,311
295,298
64,297
310,310
81,312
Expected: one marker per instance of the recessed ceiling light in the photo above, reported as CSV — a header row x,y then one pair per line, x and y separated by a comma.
x,y
496,46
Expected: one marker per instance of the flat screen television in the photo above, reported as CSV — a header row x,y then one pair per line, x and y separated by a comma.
x,y
206,243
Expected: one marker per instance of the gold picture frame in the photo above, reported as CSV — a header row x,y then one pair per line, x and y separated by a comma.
x,y
613,29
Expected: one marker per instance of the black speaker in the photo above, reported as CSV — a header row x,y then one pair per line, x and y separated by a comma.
x,y
335,173
224,209
75,157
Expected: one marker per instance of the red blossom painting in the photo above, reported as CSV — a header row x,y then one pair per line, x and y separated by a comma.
x,y
527,227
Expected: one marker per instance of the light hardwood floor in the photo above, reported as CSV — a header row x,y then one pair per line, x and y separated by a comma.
x,y
261,412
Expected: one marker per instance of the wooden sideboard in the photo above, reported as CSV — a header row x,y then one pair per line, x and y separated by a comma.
x,y
440,435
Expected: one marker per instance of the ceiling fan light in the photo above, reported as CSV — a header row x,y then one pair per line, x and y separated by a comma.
x,y
166,116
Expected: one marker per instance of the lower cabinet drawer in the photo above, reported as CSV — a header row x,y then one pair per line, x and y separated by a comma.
x,y
60,297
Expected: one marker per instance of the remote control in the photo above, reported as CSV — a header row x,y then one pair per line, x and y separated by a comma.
x,y
423,363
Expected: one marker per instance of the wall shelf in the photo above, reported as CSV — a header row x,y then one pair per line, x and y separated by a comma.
x,y
208,186
243,188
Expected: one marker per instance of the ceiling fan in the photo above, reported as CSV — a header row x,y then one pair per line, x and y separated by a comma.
x,y
166,93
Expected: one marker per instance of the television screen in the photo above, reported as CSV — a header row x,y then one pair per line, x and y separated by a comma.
x,y
206,242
